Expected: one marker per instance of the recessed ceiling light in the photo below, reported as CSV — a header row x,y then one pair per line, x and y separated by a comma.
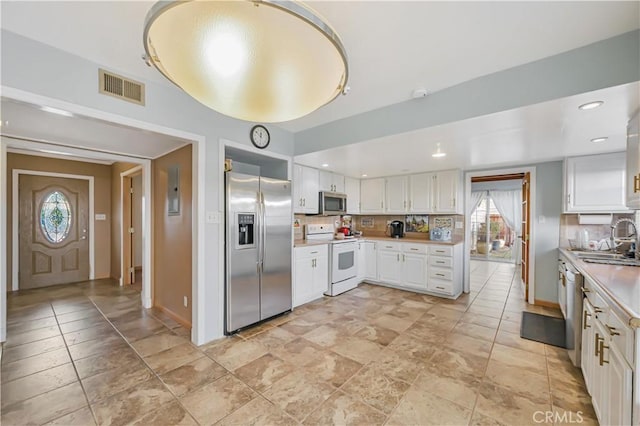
x,y
438,153
56,111
325,165
590,105
364,175
602,139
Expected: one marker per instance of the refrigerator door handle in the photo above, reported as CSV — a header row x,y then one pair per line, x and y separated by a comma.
x,y
263,229
260,220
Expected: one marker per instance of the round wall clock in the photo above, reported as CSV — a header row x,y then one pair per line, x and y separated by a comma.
x,y
260,136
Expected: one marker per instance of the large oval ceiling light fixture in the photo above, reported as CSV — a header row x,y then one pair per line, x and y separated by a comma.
x,y
265,60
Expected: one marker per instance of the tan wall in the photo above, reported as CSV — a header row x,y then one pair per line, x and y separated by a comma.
x,y
172,238
102,188
116,216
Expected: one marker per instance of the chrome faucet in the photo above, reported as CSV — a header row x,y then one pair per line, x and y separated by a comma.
x,y
613,232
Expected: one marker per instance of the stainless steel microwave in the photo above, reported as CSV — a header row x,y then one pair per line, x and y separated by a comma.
x,y
332,204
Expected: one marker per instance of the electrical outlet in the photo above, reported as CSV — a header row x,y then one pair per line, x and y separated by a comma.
x,y
186,302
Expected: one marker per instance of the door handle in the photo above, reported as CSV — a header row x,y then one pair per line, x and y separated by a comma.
x,y
584,320
612,330
597,345
601,357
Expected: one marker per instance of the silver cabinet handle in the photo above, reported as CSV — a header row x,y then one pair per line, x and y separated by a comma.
x,y
403,257
414,249
440,275
612,330
440,288
398,256
304,202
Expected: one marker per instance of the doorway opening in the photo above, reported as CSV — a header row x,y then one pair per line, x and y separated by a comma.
x,y
132,228
494,237
498,210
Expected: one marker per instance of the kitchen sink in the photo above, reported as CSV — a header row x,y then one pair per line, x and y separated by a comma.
x,y
625,261
600,256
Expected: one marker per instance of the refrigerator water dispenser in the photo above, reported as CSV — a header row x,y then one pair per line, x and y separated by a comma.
x,y
246,233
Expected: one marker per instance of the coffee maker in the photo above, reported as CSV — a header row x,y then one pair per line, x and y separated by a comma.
x,y
395,229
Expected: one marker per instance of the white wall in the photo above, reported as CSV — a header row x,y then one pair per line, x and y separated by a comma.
x,y
34,67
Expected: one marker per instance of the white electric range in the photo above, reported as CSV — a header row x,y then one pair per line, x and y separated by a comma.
x,y
343,258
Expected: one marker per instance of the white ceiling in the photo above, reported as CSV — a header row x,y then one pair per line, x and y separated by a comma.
x,y
26,121
537,133
393,46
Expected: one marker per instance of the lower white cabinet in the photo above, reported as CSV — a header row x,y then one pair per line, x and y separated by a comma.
x,y
428,268
414,270
362,261
371,261
606,357
389,266
311,273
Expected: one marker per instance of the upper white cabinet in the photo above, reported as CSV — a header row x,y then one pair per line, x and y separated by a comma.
x,y
305,189
396,194
595,183
633,163
331,182
372,195
420,193
438,192
447,192
352,189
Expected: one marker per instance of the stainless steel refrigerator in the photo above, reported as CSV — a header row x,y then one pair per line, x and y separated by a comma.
x,y
258,249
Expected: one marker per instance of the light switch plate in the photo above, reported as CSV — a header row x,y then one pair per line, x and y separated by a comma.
x,y
101,216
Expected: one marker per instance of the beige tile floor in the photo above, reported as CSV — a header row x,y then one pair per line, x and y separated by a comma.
x,y
89,354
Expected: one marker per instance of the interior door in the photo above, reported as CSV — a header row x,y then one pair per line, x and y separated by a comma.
x,y
127,230
525,232
53,226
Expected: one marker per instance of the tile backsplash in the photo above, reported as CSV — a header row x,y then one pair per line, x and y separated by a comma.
x,y
372,226
570,228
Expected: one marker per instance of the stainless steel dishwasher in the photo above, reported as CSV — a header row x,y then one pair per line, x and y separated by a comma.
x,y
570,298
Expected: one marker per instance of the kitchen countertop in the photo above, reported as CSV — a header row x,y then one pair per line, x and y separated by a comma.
x,y
620,283
304,243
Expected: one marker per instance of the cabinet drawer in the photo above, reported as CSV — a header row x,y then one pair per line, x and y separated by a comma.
x,y
415,248
311,251
440,261
441,274
440,286
621,336
385,245
441,250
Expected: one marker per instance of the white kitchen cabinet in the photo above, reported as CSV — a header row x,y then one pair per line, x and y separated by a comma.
x,y
396,194
588,347
607,350
331,182
389,263
619,387
414,270
311,273
421,193
372,195
599,374
595,183
362,261
447,192
352,189
305,189
633,163
371,261
445,269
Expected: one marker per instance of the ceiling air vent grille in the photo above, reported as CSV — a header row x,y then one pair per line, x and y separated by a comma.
x,y
120,87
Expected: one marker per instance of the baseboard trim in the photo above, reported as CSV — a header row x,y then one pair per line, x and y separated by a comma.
x,y
546,304
173,316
